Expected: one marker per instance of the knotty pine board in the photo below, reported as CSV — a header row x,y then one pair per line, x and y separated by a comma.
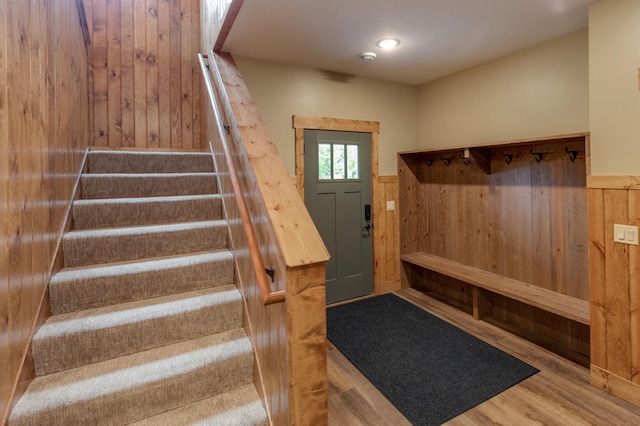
x,y
146,83
615,287
526,220
43,133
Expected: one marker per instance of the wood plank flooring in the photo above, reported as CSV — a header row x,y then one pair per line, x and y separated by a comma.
x,y
559,395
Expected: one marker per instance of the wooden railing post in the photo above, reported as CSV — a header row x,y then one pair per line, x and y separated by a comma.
x,y
307,345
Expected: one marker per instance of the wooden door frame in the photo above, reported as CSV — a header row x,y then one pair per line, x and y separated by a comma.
x,y
302,123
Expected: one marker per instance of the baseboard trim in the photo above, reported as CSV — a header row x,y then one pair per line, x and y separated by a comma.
x,y
616,385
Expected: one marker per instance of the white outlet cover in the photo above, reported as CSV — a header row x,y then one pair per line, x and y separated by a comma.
x,y
391,205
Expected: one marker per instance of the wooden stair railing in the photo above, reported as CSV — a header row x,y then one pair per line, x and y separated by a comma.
x,y
268,296
269,225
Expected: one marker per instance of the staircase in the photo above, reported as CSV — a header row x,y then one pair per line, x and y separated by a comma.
x,y
147,322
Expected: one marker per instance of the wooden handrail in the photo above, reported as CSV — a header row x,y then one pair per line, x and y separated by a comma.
x,y
267,295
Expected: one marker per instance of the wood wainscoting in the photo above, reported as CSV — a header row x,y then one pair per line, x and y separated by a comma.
x,y
615,286
386,236
43,136
145,79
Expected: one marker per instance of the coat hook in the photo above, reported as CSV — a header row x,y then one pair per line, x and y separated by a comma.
x,y
465,160
507,157
429,162
537,155
447,160
572,154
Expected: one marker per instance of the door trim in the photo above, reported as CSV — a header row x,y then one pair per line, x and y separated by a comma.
x,y
302,122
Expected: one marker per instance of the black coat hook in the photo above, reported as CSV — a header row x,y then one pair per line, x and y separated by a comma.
x,y
429,162
572,154
447,160
466,161
537,155
507,157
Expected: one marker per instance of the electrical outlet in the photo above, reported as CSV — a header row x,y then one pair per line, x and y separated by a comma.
x,y
391,205
625,234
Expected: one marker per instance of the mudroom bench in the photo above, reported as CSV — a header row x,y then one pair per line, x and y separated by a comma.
x,y
565,306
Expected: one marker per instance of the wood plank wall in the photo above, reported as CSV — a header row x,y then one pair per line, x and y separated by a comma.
x,y
386,235
615,286
213,13
43,134
146,86
527,220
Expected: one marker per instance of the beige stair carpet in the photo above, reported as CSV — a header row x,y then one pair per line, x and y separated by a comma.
x,y
86,287
147,324
112,212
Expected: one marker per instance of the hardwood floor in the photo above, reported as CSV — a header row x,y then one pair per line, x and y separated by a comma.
x,y
559,395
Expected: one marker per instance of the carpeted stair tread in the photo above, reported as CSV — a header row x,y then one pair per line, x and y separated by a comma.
x,y
149,162
238,407
89,247
147,321
138,185
137,386
115,212
85,287
71,340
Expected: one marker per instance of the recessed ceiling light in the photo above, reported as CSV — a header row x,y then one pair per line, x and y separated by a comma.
x,y
367,56
388,43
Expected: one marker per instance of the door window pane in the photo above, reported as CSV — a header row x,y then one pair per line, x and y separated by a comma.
x,y
324,161
338,161
352,162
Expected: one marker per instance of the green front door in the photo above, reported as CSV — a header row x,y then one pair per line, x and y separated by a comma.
x,y
337,192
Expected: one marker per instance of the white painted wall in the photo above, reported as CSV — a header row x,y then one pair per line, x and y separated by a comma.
x,y
539,91
614,63
281,91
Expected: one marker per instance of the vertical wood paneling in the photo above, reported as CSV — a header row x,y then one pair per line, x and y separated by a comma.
x,y
175,80
19,228
114,72
146,83
597,277
164,100
387,237
196,77
140,71
5,340
617,297
153,109
526,220
634,289
186,52
127,82
100,72
615,287
43,130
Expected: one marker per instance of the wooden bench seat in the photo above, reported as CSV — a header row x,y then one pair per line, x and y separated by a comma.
x,y
560,304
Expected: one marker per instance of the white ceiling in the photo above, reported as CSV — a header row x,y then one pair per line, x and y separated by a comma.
x,y
438,37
